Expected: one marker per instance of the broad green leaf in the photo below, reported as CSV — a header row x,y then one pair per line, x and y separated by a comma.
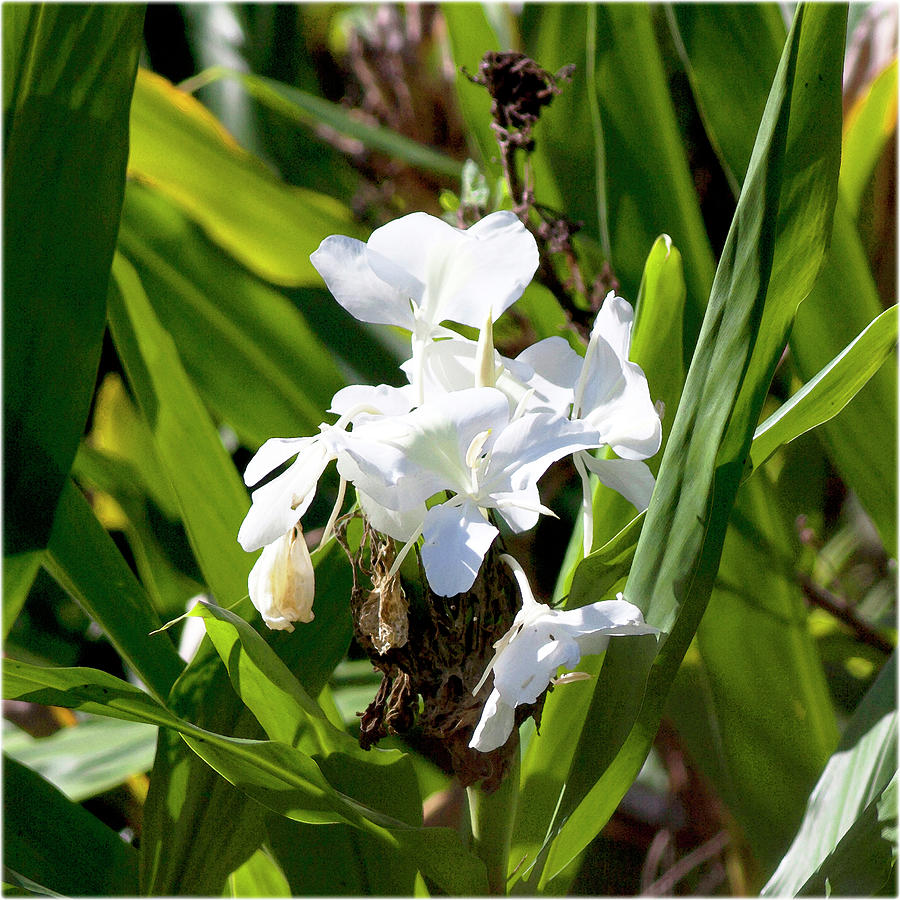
x,y
183,151
863,441
184,849
472,35
93,756
781,226
280,378
649,185
85,561
19,572
59,845
210,495
730,55
762,750
260,876
310,110
289,714
856,776
68,77
869,126
88,690
824,396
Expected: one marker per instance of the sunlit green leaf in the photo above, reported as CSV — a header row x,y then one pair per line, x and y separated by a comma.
x,y
182,150
260,876
89,758
824,396
781,224
855,777
870,123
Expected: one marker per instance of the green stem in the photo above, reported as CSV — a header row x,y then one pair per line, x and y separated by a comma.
x,y
492,817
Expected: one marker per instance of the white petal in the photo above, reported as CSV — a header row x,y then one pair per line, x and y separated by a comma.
x,y
465,275
592,625
278,505
399,525
495,725
456,540
616,399
343,264
387,400
271,455
557,368
631,478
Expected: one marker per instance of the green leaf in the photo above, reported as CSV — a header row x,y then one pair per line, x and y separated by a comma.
x,y
85,561
260,876
869,126
88,690
184,848
210,495
68,77
183,151
762,750
780,227
310,110
280,378
19,572
824,396
649,186
59,845
730,54
854,779
93,756
472,35
382,779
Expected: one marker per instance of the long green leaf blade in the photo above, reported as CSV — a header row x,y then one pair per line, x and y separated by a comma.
x,y
68,77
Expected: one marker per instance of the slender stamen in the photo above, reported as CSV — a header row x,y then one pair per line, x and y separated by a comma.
x,y
587,502
335,512
406,548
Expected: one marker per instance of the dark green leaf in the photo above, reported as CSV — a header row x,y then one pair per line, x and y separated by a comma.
x,y
68,77
83,558
59,845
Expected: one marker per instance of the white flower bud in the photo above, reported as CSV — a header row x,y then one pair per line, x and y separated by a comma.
x,y
282,582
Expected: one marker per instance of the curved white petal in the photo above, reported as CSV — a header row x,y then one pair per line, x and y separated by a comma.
x,y
399,525
278,505
615,397
631,478
343,263
464,275
456,540
557,368
272,454
386,400
495,725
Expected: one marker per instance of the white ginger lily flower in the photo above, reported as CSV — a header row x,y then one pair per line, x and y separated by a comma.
x,y
462,442
282,582
418,271
541,640
609,395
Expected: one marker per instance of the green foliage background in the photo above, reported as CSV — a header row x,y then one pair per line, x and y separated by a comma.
x,y
162,320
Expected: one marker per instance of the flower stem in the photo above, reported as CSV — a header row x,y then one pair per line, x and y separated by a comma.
x,y
492,817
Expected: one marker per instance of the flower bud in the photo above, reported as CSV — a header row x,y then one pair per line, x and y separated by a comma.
x,y
282,582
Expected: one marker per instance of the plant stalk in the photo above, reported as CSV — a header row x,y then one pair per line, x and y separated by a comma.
x,y
492,817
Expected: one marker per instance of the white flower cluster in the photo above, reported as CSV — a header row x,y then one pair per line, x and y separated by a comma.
x,y
471,428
